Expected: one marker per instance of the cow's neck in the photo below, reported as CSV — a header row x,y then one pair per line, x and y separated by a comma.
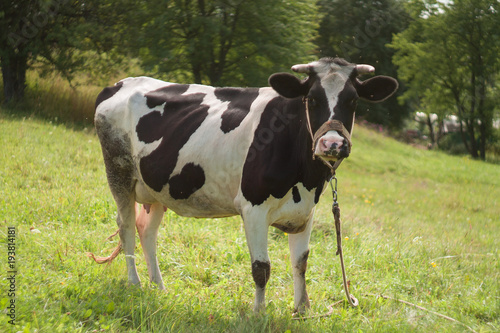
x,y
314,171
280,156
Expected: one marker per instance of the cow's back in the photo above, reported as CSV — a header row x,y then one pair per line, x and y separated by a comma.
x,y
186,143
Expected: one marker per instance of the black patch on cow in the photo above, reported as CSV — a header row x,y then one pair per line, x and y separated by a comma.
x,y
280,154
146,127
238,108
107,93
182,115
317,194
296,194
301,267
318,103
302,264
189,180
162,95
261,272
346,105
376,89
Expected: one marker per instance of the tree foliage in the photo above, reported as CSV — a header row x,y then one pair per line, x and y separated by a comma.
x,y
449,58
61,35
359,30
219,42
223,42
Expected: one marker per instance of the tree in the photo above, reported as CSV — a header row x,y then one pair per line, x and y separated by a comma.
x,y
54,34
449,58
359,30
219,42
222,42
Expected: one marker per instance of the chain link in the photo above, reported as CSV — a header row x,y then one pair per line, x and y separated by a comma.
x,y
334,189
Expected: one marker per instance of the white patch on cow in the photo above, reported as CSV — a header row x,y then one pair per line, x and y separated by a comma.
x,y
333,84
333,78
199,89
284,211
288,213
322,68
143,194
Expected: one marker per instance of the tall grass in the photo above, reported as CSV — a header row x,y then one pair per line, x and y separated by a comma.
x,y
418,225
53,97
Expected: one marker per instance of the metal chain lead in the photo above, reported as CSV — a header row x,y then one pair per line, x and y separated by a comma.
x,y
336,214
334,190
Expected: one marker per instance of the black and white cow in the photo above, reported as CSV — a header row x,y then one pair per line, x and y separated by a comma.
x,y
214,152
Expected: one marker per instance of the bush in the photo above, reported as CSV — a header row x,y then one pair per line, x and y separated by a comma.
x,y
452,143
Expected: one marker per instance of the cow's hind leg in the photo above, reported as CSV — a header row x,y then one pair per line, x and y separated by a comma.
x,y
120,173
147,223
299,253
126,224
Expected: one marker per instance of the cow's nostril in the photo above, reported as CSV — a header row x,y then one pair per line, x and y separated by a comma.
x,y
344,150
324,145
330,148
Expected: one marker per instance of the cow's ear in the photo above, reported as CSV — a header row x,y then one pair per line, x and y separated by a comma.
x,y
376,89
288,85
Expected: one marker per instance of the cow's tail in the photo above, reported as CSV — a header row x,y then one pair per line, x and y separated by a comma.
x,y
112,256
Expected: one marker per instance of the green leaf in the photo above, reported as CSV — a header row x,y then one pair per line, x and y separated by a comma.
x,y
88,313
110,308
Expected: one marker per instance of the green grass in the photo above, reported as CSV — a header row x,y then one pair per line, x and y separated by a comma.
x,y
421,226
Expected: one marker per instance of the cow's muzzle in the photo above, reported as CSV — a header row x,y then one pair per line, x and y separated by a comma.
x,y
332,141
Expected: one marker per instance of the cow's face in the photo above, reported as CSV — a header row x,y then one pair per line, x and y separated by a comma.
x,y
331,92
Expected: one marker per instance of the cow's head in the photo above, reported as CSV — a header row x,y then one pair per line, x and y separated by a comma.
x,y
331,92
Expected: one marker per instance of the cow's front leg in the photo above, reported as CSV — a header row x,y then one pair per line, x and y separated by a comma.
x,y
256,234
299,253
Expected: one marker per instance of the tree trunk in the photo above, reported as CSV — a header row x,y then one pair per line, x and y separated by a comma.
x,y
482,140
483,126
215,75
472,138
14,76
196,69
431,130
440,132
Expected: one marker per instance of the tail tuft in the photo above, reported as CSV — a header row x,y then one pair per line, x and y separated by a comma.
x,y
111,257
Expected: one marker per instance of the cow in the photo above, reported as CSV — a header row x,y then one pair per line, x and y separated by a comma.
x,y
210,152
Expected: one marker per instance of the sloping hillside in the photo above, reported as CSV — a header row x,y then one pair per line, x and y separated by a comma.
x,y
418,225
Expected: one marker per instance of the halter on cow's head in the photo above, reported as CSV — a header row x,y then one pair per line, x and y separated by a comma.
x,y
331,92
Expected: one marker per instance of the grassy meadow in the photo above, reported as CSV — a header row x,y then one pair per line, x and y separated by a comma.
x,y
419,226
